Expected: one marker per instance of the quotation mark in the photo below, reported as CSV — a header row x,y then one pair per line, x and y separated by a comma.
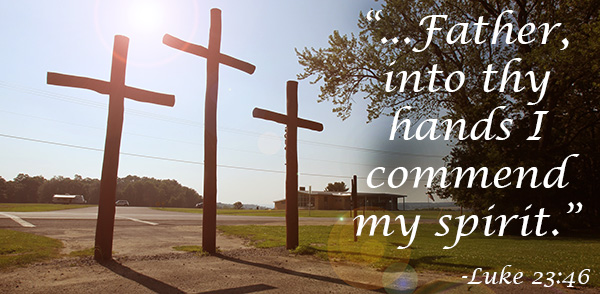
x,y
572,207
369,18
384,40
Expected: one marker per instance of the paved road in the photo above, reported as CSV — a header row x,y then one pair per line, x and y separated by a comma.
x,y
138,230
145,214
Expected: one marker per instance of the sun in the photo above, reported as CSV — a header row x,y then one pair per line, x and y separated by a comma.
x,y
145,15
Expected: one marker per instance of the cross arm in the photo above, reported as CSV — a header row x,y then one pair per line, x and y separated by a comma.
x,y
149,96
283,119
269,115
311,125
103,87
58,79
203,52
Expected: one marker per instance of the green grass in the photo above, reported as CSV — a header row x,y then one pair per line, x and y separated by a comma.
x,y
425,214
525,254
36,207
18,248
82,253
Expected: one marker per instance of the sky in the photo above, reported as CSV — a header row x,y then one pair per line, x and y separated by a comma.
x,y
60,131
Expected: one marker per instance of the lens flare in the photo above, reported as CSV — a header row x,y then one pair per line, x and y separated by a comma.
x,y
356,262
400,278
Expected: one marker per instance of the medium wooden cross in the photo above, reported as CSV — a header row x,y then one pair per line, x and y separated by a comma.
x,y
117,91
214,57
292,122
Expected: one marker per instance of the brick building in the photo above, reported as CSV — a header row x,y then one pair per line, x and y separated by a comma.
x,y
342,201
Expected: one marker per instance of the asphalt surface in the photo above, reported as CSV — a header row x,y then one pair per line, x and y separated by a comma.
x,y
145,214
137,230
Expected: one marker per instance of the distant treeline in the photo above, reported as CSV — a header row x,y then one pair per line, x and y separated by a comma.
x,y
138,191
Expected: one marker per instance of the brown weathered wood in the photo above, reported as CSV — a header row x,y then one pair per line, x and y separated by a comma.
x,y
283,119
103,87
214,57
202,51
355,205
117,91
292,122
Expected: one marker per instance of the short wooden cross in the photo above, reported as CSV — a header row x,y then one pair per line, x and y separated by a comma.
x,y
214,57
292,122
117,91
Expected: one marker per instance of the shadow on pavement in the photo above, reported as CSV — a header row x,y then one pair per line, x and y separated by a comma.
x,y
146,281
242,290
161,287
292,272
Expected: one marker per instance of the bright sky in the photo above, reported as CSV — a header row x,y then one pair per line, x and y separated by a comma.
x,y
76,38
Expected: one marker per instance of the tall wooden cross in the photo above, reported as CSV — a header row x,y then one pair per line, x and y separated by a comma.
x,y
117,91
292,122
214,57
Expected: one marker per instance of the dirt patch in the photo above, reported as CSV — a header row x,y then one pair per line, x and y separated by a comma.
x,y
131,239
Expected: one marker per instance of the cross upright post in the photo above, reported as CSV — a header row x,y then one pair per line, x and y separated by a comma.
x,y
214,58
293,122
117,91
355,205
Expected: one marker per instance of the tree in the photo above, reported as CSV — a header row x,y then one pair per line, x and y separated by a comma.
x,y
3,190
154,192
359,64
138,191
336,187
24,188
238,205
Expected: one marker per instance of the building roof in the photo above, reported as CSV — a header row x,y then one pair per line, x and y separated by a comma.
x,y
348,194
325,193
363,194
66,196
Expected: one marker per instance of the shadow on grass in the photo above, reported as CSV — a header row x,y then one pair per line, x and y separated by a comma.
x,y
439,286
146,281
295,273
414,262
356,254
431,260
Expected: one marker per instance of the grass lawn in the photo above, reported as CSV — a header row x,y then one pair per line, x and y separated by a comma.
x,y
529,255
33,207
425,214
194,249
18,248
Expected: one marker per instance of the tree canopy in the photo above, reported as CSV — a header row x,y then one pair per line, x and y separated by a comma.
x,y
238,205
356,65
139,191
336,187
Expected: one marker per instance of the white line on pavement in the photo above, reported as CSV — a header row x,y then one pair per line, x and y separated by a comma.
x,y
140,221
18,220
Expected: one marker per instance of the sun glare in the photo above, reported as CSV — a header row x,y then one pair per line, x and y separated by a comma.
x,y
145,15
145,22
